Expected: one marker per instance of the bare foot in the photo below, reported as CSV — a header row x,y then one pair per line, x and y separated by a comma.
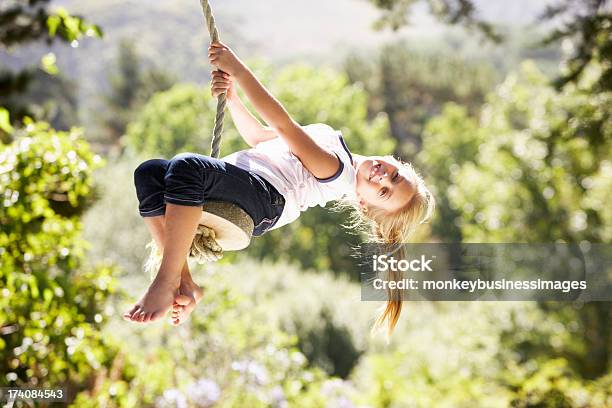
x,y
155,303
184,303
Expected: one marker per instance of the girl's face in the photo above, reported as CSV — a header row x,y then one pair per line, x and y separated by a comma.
x,y
382,184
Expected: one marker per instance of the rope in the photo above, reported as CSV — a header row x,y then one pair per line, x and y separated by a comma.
x,y
205,247
214,36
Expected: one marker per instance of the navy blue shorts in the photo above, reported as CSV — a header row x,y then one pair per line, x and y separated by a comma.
x,y
192,179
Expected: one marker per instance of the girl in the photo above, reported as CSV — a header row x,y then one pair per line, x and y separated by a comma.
x,y
288,169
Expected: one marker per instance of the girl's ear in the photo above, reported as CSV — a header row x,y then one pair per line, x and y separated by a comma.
x,y
363,206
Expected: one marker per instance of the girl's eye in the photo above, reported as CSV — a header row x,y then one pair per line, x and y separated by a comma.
x,y
395,177
383,192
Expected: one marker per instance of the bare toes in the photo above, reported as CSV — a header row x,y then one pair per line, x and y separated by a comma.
x,y
183,300
128,315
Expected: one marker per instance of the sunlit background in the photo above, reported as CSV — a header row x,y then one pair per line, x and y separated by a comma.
x,y
503,107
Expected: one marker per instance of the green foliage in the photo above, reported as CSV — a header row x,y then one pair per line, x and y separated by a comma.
x,y
331,330
462,354
586,24
545,153
40,95
227,355
113,225
411,87
24,21
131,87
52,300
396,14
5,121
441,158
536,169
327,344
178,120
252,363
315,95
553,384
49,99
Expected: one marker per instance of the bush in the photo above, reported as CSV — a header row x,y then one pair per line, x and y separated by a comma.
x,y
52,303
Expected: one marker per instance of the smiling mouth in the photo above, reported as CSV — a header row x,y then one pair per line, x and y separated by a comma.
x,y
373,171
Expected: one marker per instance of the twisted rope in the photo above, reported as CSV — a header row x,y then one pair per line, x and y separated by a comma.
x,y
214,36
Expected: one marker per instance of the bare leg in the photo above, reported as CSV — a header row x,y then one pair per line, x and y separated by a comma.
x,y
190,292
180,227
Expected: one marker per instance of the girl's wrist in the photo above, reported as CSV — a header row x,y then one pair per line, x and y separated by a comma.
x,y
241,70
232,98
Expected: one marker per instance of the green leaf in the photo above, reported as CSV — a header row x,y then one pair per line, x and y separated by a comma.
x,y
5,120
47,63
53,23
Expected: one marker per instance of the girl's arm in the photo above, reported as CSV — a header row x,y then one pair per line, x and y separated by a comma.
x,y
251,130
320,162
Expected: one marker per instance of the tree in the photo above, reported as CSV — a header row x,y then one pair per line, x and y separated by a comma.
x,y
396,14
23,22
52,303
40,95
536,170
52,307
177,120
411,87
587,23
131,87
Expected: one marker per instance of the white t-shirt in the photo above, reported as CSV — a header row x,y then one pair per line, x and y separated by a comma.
x,y
273,161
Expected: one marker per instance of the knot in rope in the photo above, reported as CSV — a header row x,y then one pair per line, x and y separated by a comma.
x,y
205,247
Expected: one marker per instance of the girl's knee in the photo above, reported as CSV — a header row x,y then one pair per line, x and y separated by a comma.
x,y
150,168
182,156
191,160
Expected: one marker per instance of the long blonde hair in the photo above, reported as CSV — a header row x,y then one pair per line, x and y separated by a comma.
x,y
394,229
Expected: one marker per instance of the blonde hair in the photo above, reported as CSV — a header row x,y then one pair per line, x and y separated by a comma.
x,y
394,229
